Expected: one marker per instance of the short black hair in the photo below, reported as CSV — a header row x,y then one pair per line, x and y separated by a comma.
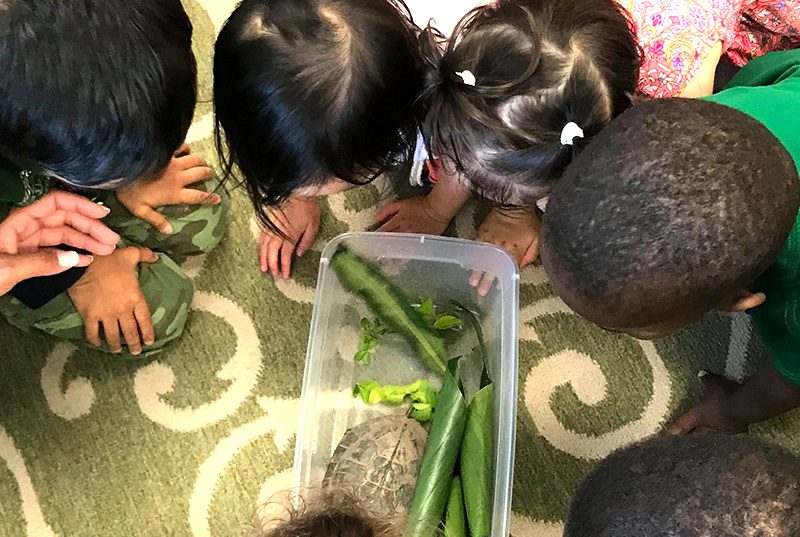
x,y
671,211
310,90
539,65
98,93
720,485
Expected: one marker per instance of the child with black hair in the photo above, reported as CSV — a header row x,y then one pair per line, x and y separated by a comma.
x,y
313,96
703,486
680,207
103,111
523,85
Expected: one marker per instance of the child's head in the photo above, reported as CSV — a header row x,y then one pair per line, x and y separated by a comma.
x,y
538,65
331,514
97,93
674,210
726,486
315,93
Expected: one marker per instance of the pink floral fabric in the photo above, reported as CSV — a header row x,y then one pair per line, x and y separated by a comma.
x,y
676,36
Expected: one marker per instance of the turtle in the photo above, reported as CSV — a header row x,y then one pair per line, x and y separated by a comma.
x,y
378,461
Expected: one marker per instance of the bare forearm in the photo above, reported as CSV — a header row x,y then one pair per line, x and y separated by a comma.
x,y
764,396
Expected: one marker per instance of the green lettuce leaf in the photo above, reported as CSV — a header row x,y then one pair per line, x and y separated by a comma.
x,y
419,393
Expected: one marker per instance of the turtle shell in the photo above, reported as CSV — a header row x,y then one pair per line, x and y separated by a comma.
x,y
378,461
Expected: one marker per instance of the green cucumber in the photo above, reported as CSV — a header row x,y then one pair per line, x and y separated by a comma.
x,y
391,306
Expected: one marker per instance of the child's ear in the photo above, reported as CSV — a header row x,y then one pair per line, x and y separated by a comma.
x,y
745,302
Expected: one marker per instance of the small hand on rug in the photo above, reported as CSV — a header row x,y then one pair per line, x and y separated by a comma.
x,y
297,223
711,414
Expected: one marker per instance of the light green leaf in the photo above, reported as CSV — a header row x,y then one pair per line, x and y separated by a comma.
x,y
447,322
418,393
426,309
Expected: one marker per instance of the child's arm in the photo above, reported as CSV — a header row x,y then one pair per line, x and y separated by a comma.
x,y
429,214
298,221
731,407
143,198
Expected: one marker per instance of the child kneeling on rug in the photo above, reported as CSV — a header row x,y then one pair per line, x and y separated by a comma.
x,y
725,486
681,207
96,97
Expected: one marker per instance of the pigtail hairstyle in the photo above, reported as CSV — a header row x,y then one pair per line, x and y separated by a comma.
x,y
512,76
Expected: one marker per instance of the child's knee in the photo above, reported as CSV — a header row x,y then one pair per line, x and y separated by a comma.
x,y
199,229
169,293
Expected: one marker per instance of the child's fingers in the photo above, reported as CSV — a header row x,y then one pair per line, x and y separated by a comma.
x,y
195,175
486,284
392,225
111,333
273,255
687,423
92,329
130,331
146,255
192,161
530,255
188,196
183,150
307,240
389,211
475,279
263,250
287,250
154,218
145,321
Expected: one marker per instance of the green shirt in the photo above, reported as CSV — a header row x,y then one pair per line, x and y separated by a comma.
x,y
768,89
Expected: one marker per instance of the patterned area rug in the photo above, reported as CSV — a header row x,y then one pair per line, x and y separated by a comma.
x,y
191,444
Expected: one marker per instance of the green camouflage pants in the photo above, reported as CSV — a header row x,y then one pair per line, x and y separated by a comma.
x,y
168,291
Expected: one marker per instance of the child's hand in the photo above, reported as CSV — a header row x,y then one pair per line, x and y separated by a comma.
x,y
108,294
298,219
516,231
413,215
710,414
170,188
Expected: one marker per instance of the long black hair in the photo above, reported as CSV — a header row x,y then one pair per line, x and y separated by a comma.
x,y
310,90
98,93
538,65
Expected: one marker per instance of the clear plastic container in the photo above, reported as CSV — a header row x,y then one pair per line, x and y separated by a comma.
x,y
422,266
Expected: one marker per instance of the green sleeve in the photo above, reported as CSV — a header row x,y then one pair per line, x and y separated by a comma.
x,y
768,70
777,324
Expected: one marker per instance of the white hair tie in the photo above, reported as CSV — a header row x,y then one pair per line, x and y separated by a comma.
x,y
467,78
570,132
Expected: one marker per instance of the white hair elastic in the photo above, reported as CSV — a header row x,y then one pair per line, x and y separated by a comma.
x,y
570,132
467,78
420,158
